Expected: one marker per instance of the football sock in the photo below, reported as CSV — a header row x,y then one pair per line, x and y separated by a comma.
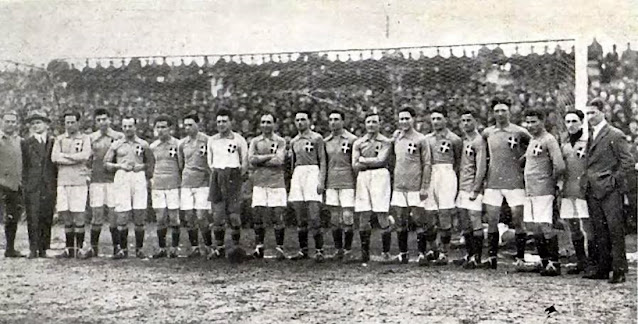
x,y
123,237
139,238
161,237
279,236
386,241
421,242
303,240
552,247
79,239
402,237
364,236
219,236
469,243
95,238
349,235
337,237
478,245
175,233
192,237
114,236
318,237
69,237
235,235
260,234
207,236
521,241
492,239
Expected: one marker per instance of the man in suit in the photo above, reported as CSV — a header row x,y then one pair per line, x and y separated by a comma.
x,y
10,179
609,164
39,182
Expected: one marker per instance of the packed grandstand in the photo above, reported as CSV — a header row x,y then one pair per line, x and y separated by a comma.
x,y
354,81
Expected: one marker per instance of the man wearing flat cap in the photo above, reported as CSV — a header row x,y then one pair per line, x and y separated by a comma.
x,y
39,182
10,179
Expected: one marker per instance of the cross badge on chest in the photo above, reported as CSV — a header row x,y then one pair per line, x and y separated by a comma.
x,y
172,151
345,147
138,149
538,149
412,148
309,146
273,148
202,150
580,152
232,148
78,146
512,141
444,147
377,149
469,151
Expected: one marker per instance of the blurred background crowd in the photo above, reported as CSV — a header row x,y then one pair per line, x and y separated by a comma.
x,y
356,82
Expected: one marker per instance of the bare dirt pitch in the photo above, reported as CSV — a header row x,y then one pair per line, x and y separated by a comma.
x,y
268,291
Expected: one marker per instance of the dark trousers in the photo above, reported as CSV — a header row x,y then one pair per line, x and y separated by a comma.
x,y
39,221
608,224
10,205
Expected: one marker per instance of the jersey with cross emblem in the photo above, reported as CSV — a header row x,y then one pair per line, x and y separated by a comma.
x,y
77,145
100,143
305,148
505,148
473,164
227,151
125,151
166,174
412,154
575,167
270,174
339,155
193,150
444,147
542,159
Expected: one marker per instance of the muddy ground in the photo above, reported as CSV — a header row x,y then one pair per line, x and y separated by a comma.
x,y
268,291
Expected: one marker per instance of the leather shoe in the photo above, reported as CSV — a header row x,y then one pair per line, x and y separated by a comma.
x,y
13,254
33,255
597,275
617,277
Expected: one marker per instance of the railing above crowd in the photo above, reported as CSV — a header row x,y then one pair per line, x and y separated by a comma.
x,y
537,74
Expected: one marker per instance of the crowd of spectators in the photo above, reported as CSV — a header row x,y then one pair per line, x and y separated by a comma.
x,y
281,85
615,79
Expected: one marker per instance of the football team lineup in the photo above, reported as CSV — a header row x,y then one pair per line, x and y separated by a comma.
x,y
438,179
436,195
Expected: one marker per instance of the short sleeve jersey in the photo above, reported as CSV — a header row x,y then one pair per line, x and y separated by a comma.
x,y
194,154
166,173
100,143
473,164
339,155
266,176
505,148
542,154
576,165
125,151
444,147
304,148
412,153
